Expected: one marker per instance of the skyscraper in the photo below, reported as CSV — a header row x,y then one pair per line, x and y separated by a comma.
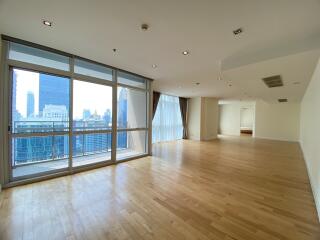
x,y
16,116
122,118
30,104
86,114
53,90
122,108
107,117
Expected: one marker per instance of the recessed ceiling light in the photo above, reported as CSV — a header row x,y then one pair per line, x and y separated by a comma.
x,y
144,27
154,65
47,23
185,52
237,31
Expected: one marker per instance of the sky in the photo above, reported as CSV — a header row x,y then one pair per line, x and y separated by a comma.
x,y
86,95
26,81
91,96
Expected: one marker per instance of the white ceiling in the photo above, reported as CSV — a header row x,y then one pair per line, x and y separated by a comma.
x,y
280,37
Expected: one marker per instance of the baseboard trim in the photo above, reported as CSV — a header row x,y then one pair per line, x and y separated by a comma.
x,y
276,139
209,138
314,193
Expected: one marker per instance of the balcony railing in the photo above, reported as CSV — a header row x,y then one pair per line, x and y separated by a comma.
x,y
58,126
37,149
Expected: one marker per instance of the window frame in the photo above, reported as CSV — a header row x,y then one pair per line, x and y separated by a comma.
x,y
7,65
147,129
12,135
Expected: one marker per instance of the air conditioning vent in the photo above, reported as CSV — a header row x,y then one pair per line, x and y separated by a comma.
x,y
273,81
281,100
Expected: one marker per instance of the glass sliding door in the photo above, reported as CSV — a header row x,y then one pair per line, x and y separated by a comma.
x,y
131,143
39,123
132,116
92,123
64,112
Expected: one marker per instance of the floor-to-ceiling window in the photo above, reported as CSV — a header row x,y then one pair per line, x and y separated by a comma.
x,y
167,123
40,122
60,112
132,120
92,122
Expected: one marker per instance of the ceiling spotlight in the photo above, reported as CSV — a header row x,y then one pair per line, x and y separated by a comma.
x,y
185,52
197,83
237,31
114,50
230,85
47,23
154,65
144,27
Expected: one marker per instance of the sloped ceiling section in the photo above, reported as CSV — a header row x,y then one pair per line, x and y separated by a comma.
x,y
272,29
295,70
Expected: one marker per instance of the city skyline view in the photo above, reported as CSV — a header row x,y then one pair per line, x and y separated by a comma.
x,y
98,98
40,103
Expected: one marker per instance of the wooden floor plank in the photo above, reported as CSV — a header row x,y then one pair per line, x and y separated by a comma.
x,y
235,188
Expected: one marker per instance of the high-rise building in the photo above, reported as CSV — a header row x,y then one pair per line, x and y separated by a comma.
x,y
107,117
86,114
16,116
122,118
30,104
53,90
14,94
55,113
122,108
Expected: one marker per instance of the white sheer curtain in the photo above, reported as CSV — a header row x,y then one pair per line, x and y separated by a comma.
x,y
167,123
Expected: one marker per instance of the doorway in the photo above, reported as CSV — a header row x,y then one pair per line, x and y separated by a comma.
x,y
246,121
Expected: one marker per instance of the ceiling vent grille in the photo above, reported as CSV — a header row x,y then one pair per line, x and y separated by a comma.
x,y
273,81
282,100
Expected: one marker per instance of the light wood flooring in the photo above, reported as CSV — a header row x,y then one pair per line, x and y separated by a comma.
x,y
226,189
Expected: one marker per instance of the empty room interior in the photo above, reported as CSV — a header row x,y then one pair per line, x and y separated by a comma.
x,y
160,120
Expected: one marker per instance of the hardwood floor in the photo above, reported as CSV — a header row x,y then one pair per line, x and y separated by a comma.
x,y
230,189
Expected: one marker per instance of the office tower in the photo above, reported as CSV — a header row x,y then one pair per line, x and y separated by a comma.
x,y
53,90
30,104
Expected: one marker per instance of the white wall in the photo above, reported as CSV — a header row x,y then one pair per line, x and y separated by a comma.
x,y
278,121
194,118
230,117
310,132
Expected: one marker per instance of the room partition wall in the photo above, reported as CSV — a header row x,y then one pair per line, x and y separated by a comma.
x,y
63,113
